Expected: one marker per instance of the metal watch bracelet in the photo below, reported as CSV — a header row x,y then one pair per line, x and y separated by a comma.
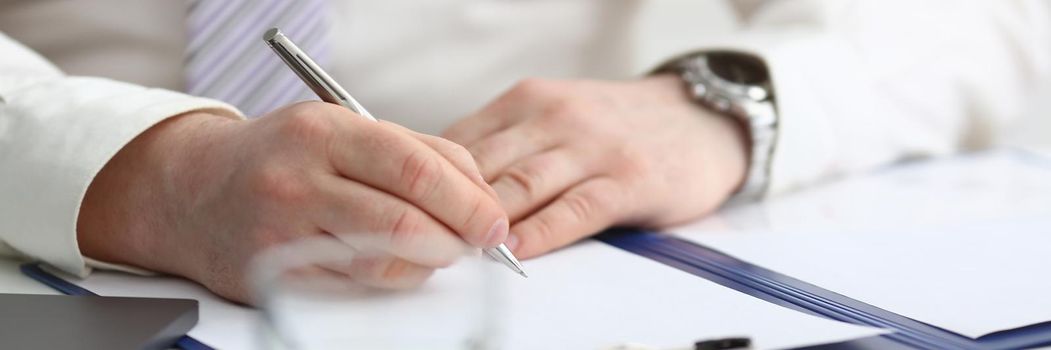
x,y
739,87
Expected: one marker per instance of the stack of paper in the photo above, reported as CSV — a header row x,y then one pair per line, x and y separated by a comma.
x,y
589,296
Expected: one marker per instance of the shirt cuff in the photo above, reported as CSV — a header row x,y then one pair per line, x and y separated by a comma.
x,y
98,264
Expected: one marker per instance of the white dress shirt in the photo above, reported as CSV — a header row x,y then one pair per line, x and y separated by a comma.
x,y
859,83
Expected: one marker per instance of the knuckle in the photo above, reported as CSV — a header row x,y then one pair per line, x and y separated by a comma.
x,y
564,114
582,207
279,184
543,232
389,272
477,212
530,87
264,237
421,173
375,138
485,149
307,121
458,151
588,205
368,269
527,180
632,165
395,270
404,229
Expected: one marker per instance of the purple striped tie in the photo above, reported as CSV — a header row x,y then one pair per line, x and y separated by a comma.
x,y
227,60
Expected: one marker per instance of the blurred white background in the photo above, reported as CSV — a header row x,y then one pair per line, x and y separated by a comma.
x,y
1033,130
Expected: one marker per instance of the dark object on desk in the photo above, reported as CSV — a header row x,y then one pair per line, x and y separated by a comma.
x,y
36,271
31,321
723,344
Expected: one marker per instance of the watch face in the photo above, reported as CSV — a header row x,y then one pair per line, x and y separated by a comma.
x,y
738,68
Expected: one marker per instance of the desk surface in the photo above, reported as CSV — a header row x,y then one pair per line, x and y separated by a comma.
x,y
992,185
12,281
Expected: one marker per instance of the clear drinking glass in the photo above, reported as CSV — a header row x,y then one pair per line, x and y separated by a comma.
x,y
307,303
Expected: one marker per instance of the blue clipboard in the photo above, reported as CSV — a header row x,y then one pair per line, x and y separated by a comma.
x,y
798,295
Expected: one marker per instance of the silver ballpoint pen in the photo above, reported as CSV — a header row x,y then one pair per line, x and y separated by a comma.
x,y
329,91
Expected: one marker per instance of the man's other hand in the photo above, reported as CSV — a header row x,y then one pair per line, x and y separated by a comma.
x,y
200,194
570,158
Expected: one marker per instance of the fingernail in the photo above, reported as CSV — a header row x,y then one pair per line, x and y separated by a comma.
x,y
497,234
511,242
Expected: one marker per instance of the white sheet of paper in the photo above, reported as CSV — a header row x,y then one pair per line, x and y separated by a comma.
x,y
974,279
1000,184
962,243
12,280
584,297
611,297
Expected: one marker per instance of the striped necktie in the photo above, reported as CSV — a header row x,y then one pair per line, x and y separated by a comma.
x,y
227,60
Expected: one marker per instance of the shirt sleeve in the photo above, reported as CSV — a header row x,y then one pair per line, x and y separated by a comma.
x,y
56,134
863,83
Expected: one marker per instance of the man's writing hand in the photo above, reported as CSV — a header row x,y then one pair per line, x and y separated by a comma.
x,y
199,195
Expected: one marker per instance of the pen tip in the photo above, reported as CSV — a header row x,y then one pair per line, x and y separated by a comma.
x,y
501,254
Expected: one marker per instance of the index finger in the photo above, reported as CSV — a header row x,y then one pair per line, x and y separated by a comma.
x,y
393,161
455,154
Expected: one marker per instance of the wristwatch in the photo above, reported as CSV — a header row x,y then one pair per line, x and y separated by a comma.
x,y
736,85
